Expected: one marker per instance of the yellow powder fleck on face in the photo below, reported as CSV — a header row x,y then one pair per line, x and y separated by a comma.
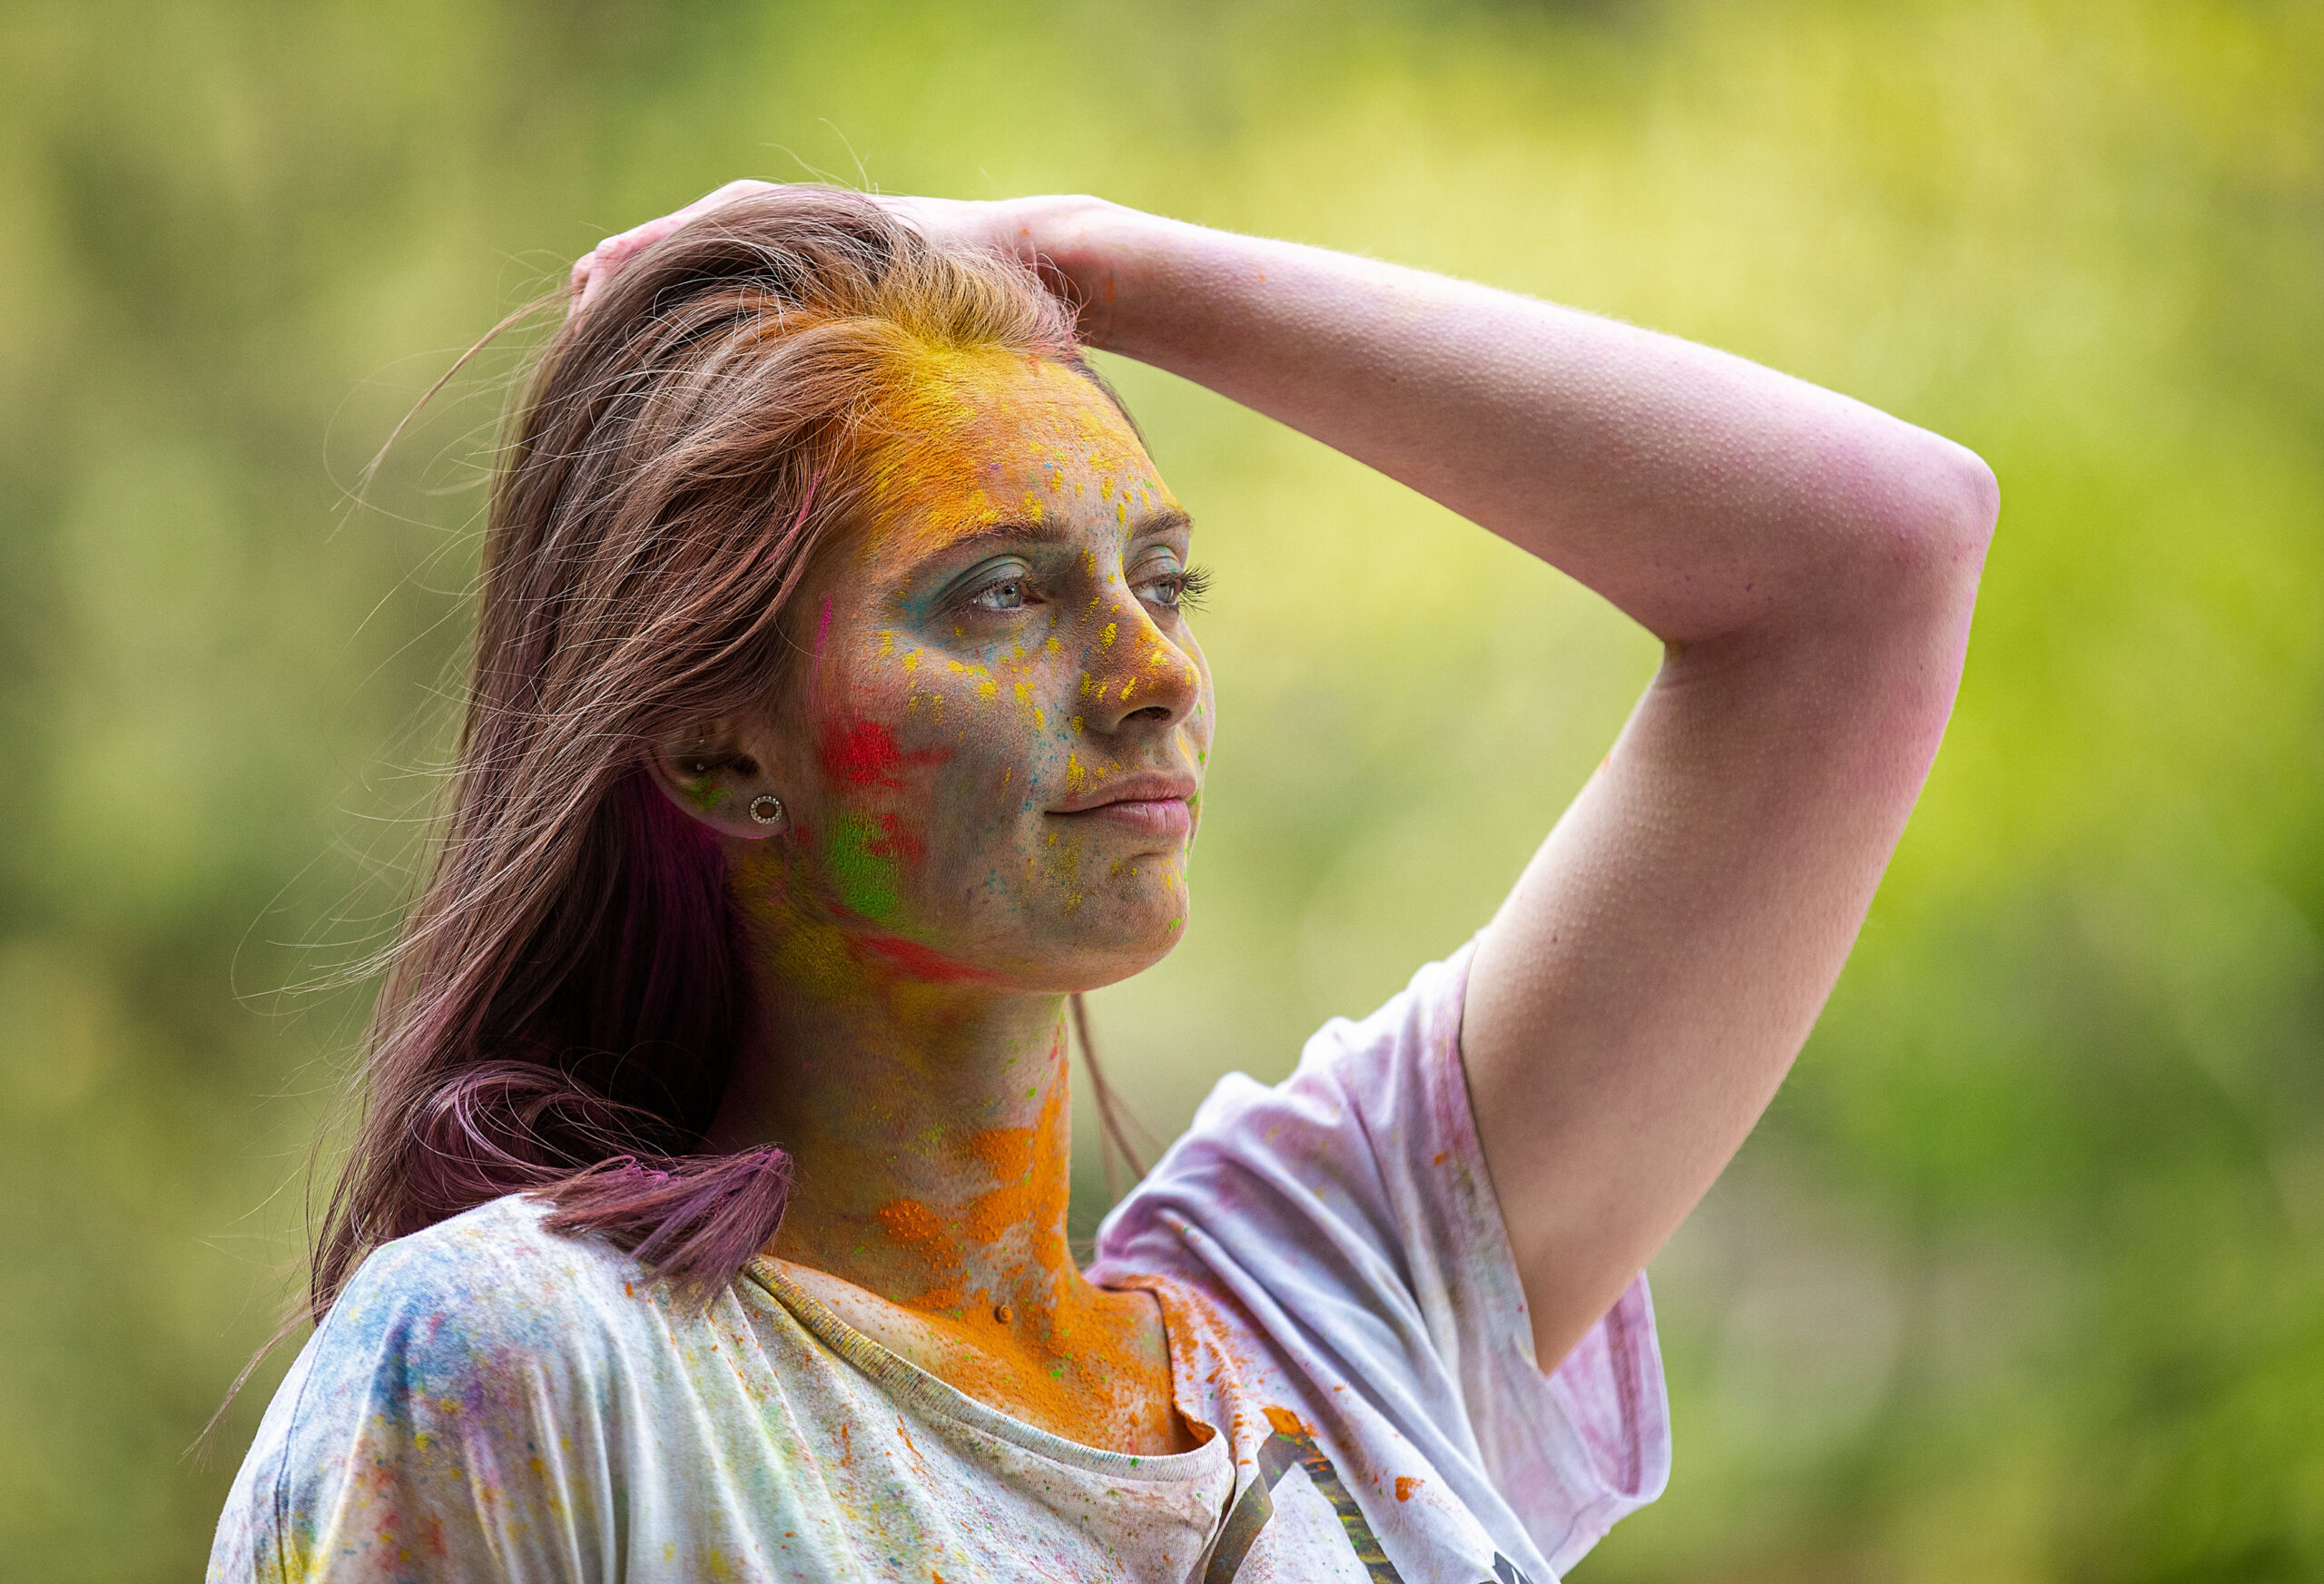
x,y
1024,692
1074,774
1052,646
1033,506
887,642
1106,487
1089,685
1121,512
911,661
1077,723
1106,638
988,688
1041,717
1126,688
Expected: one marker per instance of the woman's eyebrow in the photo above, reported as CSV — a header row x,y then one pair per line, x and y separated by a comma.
x,y
1043,532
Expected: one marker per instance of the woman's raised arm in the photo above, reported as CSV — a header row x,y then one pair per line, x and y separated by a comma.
x,y
1810,564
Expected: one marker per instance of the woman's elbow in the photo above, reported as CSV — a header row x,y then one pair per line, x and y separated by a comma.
x,y
1920,533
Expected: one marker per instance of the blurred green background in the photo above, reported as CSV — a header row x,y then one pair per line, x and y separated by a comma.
x,y
2019,1279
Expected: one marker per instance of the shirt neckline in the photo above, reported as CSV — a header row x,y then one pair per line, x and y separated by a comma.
x,y
907,1382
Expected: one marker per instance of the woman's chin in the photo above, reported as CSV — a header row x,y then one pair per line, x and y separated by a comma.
x,y
1100,945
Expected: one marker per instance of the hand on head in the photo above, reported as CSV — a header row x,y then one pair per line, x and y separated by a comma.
x,y
1000,227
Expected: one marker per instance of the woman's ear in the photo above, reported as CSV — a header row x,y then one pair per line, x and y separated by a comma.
x,y
710,776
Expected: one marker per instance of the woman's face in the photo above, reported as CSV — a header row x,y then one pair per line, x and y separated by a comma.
x,y
991,753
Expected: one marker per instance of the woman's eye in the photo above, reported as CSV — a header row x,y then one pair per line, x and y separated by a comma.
x,y
1165,590
1174,587
1007,594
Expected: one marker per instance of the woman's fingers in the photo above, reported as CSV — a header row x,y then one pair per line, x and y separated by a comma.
x,y
601,263
959,223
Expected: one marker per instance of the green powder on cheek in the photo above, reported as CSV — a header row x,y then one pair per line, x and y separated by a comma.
x,y
866,878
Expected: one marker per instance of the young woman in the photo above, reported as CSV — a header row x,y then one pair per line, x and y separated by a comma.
x,y
836,716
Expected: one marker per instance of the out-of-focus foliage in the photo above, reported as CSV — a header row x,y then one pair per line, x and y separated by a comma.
x,y
2021,1278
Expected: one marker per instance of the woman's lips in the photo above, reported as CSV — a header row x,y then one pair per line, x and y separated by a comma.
x,y
1166,816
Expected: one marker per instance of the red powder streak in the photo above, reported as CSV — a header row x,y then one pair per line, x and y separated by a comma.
x,y
864,754
923,962
897,841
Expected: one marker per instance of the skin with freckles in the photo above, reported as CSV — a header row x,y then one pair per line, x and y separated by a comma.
x,y
990,758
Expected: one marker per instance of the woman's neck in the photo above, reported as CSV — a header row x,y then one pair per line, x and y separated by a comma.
x,y
930,1128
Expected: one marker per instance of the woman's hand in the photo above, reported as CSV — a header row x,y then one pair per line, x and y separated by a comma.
x,y
601,263
1019,227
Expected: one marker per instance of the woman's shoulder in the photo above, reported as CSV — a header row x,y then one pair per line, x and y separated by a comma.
x,y
420,1404
488,1286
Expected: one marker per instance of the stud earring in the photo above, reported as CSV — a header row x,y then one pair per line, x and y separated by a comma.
x,y
767,809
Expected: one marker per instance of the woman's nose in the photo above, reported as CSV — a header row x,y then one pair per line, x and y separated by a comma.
x,y
1134,672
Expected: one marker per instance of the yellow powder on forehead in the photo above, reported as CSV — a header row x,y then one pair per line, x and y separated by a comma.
x,y
967,429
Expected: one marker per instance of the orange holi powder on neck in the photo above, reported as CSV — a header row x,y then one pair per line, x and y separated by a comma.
x,y
1008,1151
1042,1342
914,1226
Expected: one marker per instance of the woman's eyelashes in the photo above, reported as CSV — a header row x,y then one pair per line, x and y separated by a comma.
x,y
997,588
1175,587
1003,594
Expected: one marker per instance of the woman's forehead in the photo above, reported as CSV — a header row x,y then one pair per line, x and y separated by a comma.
x,y
984,437
992,408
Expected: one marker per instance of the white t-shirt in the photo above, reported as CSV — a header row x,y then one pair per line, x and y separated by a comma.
x,y
487,1401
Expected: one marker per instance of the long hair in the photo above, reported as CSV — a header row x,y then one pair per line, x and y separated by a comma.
x,y
560,1011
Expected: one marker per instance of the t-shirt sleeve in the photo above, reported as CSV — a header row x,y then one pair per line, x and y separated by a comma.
x,y
445,1423
1349,1208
